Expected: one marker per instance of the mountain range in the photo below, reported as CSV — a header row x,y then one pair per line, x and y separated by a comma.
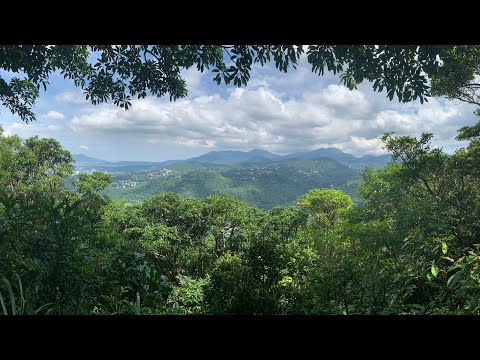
x,y
232,157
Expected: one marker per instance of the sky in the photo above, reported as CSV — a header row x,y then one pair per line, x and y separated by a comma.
x,y
278,112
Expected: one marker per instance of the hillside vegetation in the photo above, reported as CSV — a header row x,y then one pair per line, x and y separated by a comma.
x,y
258,177
409,247
264,186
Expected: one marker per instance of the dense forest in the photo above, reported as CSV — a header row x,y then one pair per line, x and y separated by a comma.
x,y
410,245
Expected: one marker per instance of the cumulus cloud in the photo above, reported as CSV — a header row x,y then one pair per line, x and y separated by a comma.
x,y
35,128
53,115
261,118
83,147
362,145
71,96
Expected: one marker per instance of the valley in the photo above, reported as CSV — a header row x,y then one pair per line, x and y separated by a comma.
x,y
258,177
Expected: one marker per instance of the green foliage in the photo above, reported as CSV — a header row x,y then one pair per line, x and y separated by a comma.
x,y
17,302
264,185
326,206
92,183
409,246
231,289
33,165
382,65
188,297
121,72
12,298
457,78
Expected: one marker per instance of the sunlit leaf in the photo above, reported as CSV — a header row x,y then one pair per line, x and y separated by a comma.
x,y
434,269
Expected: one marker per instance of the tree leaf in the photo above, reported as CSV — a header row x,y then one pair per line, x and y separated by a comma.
x,y
41,308
12,297
434,270
4,307
453,280
22,298
444,247
448,258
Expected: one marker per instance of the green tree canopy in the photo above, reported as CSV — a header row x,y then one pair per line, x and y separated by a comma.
x,y
459,77
121,72
32,165
92,183
326,205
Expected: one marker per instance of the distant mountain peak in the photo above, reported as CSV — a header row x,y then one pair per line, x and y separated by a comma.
x,y
87,159
332,149
342,157
235,156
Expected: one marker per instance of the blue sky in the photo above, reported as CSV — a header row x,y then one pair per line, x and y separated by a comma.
x,y
282,113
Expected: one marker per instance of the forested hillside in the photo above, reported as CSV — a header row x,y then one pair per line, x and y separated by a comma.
x,y
258,177
262,185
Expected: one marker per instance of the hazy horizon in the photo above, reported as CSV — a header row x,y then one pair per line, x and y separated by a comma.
x,y
213,151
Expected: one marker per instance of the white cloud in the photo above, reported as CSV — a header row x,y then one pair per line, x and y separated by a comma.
x,y
72,96
35,128
366,146
246,118
53,115
437,117
83,147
